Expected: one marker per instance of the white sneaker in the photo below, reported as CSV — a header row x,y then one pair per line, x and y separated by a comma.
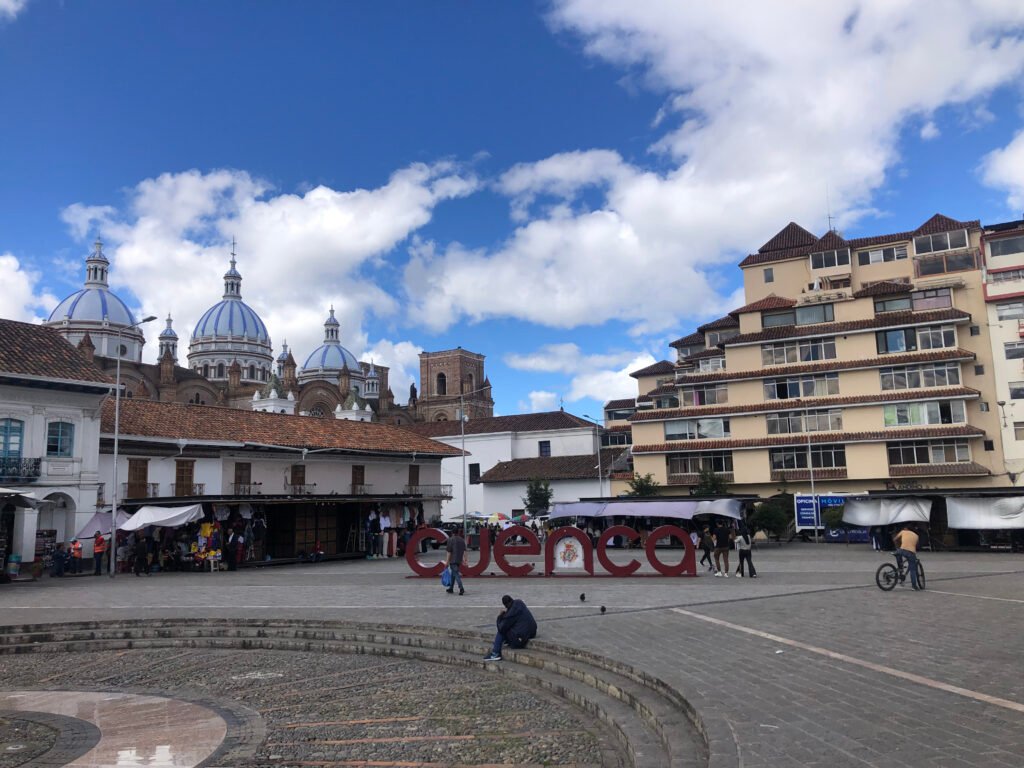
x,y
726,575
739,575
717,574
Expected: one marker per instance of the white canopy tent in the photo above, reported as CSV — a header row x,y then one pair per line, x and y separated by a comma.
x,y
867,512
677,509
986,513
101,522
165,517
18,498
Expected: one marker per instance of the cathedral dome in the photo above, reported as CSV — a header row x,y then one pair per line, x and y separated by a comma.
x,y
95,303
330,357
231,318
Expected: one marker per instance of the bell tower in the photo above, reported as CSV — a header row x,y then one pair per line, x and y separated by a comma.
x,y
448,378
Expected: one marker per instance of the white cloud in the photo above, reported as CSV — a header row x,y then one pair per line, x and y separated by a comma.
x,y
11,8
598,376
21,295
930,131
298,254
1004,169
563,358
604,385
753,132
539,402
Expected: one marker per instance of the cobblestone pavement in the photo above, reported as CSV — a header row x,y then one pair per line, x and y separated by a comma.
x,y
810,664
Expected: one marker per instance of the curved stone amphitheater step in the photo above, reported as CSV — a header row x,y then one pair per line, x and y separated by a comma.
x,y
654,724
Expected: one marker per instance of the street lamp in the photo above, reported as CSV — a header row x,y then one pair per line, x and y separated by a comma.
x,y
600,471
117,429
810,469
462,433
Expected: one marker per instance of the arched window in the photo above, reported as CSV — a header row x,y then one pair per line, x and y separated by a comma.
x,y
206,370
60,439
442,385
441,417
317,411
252,373
470,384
220,370
11,433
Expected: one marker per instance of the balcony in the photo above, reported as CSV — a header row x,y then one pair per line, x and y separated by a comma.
x,y
691,478
943,263
429,491
246,489
140,490
361,489
304,489
188,489
789,475
20,470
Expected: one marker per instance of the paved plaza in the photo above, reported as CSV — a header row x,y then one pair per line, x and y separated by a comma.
x,y
808,665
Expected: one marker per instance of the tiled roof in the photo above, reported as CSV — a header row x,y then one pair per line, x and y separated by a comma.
x,y
888,320
618,428
148,418
716,325
626,402
830,241
686,341
935,470
771,301
667,389
524,422
940,223
1006,226
885,361
790,236
802,438
867,242
660,367
883,288
580,467
39,351
704,353
798,404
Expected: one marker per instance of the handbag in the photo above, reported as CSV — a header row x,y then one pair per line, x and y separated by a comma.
x,y
446,578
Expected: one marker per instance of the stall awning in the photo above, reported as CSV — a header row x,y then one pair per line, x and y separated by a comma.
x,y
869,512
986,513
679,510
18,498
101,522
165,517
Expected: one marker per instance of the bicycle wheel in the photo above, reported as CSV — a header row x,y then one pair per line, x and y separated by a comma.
x,y
886,577
920,575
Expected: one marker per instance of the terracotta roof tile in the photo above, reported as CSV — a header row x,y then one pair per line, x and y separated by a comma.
x,y
773,256
38,351
834,365
660,367
687,341
667,389
148,418
883,288
771,301
867,242
703,354
626,402
618,428
525,422
580,467
1006,226
802,438
790,236
798,404
940,223
888,320
936,470
830,241
716,325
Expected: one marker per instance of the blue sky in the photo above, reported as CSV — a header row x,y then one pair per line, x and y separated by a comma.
x,y
563,186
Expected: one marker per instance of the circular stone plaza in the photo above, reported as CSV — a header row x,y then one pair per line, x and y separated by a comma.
x,y
358,664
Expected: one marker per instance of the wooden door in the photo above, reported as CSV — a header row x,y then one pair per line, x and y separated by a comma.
x,y
138,479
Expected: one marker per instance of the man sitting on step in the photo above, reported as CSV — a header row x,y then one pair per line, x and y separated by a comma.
x,y
516,627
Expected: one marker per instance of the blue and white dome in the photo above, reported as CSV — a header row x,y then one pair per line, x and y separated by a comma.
x,y
231,317
329,358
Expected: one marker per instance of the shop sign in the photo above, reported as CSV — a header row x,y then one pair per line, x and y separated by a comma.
x,y
563,543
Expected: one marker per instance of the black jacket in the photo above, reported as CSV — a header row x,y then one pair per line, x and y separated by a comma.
x,y
517,624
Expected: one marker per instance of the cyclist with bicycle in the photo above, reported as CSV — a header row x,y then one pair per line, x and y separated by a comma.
x,y
906,546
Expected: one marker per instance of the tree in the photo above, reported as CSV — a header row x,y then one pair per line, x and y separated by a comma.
x,y
773,516
709,483
537,500
832,517
643,485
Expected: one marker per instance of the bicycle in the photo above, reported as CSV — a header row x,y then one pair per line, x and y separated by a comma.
x,y
889,575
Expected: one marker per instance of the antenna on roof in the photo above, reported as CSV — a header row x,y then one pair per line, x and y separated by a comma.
x,y
828,208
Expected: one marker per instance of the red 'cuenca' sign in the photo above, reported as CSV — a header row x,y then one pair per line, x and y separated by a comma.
x,y
502,550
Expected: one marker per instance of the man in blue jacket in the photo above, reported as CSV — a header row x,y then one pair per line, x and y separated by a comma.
x,y
516,627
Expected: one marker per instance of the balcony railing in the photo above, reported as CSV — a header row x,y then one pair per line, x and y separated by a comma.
x,y
140,490
301,489
246,489
829,473
188,489
692,478
20,470
101,494
361,489
946,262
429,491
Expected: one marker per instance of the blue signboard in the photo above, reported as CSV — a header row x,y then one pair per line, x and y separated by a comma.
x,y
807,515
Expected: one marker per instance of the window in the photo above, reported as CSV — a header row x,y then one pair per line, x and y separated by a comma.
x,y
923,414
615,438
878,255
803,351
543,448
708,364
826,259
988,445
1018,430
206,370
817,313
939,298
975,330
902,340
220,370
619,414
715,394
714,337
822,457
666,402
769,275
1010,310
697,429
1017,390
252,372
983,406
928,452
184,477
11,433
1007,246
956,261
1006,276
693,463
298,474
442,385
913,377
1014,350
936,338
60,439
895,304
474,474
358,475
801,386
943,241
243,477
830,420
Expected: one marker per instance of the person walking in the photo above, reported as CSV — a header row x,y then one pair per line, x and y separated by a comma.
x,y
59,560
140,557
723,543
516,627
706,545
744,544
99,547
455,551
76,556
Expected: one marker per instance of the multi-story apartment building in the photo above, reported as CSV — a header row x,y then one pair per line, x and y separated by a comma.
x,y
863,364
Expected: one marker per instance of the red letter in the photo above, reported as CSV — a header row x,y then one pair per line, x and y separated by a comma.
x,y
435,534
485,556
501,549
602,554
689,563
566,533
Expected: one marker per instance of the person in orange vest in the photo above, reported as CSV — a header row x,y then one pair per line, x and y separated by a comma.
x,y
99,547
76,556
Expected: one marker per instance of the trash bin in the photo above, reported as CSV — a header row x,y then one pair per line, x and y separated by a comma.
x,y
13,565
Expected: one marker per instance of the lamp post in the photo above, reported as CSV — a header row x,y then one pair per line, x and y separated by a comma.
x,y
462,434
810,469
117,430
600,471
